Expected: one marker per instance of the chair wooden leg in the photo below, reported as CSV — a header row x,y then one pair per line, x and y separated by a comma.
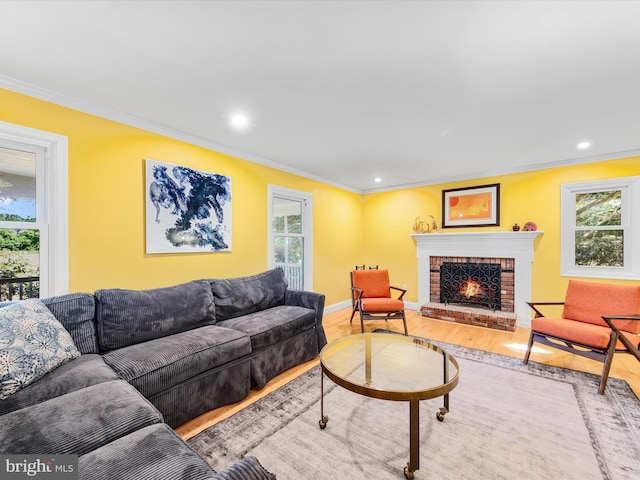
x,y
633,349
526,355
361,322
608,360
404,320
353,312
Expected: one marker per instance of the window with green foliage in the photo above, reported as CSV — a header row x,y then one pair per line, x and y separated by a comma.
x,y
599,223
599,233
287,242
34,244
288,248
19,226
20,240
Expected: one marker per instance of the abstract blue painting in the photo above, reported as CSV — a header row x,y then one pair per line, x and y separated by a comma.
x,y
187,210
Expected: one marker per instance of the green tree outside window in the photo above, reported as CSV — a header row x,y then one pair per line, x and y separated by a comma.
x,y
599,238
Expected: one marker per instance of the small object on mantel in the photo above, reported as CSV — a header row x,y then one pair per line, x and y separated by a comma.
x,y
516,228
530,227
420,226
434,225
423,226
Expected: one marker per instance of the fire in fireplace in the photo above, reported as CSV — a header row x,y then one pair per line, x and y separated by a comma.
x,y
473,283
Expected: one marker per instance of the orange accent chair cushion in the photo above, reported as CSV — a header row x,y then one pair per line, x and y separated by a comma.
x,y
579,332
374,283
382,305
589,301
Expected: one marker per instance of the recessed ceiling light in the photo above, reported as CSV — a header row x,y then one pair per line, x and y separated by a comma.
x,y
239,121
584,145
377,179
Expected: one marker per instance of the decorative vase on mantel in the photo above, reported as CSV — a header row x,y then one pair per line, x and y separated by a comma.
x,y
516,228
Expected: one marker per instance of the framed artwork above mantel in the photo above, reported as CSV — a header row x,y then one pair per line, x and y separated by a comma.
x,y
477,206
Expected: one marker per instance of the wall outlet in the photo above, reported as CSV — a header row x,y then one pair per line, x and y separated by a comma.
x,y
404,286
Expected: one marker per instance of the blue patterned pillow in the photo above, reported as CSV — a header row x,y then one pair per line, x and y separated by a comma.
x,y
32,343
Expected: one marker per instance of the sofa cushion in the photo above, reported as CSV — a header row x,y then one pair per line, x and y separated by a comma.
x,y
153,452
281,356
76,312
82,372
128,317
157,365
32,343
268,327
77,422
244,295
156,452
223,385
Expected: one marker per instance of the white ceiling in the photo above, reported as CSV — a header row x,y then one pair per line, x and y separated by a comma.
x,y
415,92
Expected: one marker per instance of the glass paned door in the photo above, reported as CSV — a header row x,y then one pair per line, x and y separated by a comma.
x,y
288,240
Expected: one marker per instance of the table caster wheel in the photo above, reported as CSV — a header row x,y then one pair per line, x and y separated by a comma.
x,y
440,415
323,422
408,474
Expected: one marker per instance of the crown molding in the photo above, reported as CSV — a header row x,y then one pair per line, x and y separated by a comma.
x,y
507,171
40,93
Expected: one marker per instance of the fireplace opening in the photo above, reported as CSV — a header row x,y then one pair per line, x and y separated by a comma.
x,y
471,283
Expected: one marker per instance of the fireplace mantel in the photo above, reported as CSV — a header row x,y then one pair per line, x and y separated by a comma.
x,y
517,245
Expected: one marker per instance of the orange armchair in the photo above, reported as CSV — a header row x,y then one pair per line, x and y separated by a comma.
x,y
371,296
598,320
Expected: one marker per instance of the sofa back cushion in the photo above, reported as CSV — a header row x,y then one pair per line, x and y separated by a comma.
x,y
243,295
76,312
589,301
127,317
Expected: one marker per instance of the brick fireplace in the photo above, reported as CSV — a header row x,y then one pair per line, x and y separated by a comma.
x,y
472,290
501,305
499,278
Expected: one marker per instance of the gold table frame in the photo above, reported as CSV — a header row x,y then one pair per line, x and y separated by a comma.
x,y
393,367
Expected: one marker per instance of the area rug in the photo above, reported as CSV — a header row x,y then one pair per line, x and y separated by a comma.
x,y
507,421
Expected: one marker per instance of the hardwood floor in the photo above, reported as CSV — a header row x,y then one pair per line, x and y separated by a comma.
x,y
512,344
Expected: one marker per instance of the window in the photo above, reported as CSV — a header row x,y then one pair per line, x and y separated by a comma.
x,y
600,226
20,221
290,235
287,229
33,213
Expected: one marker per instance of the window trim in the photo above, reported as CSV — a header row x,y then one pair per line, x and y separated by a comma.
x,y
54,235
630,224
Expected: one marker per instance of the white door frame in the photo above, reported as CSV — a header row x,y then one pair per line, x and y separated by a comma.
x,y
307,227
55,240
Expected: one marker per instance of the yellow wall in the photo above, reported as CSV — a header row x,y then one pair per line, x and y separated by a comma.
x,y
107,206
530,196
106,211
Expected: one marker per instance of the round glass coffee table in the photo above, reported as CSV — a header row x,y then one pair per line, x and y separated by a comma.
x,y
395,367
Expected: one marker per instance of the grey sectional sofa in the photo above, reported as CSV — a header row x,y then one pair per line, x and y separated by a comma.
x,y
154,359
